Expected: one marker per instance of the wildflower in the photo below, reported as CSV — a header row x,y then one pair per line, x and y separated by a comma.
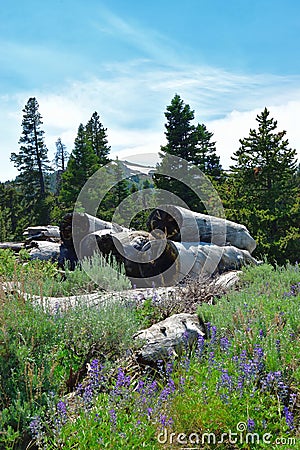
x,y
113,417
289,418
261,334
278,346
36,427
224,343
200,345
251,425
165,421
62,411
149,412
213,334
88,396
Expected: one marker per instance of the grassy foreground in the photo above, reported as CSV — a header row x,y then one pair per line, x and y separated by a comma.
x,y
237,389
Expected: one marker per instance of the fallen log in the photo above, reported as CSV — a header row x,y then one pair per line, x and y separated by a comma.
x,y
44,250
169,337
180,224
151,261
41,232
14,246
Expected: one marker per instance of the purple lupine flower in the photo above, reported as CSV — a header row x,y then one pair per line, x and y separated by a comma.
x,y
88,396
211,360
165,421
208,327
224,343
62,411
122,383
113,417
56,310
149,412
155,297
140,387
213,334
278,346
261,334
36,427
289,418
251,425
200,345
96,374
169,368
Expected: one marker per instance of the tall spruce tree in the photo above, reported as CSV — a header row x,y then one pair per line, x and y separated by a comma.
x,y
83,162
97,138
32,163
191,143
264,190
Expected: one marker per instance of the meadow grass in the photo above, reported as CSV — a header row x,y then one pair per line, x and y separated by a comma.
x,y
243,379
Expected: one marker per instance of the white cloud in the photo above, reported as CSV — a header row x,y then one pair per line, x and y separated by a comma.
x,y
131,99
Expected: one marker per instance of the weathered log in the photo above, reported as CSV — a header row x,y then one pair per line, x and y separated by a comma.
x,y
44,250
82,224
14,246
42,232
162,262
169,337
180,224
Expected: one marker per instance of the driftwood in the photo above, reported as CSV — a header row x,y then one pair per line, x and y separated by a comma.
x,y
180,224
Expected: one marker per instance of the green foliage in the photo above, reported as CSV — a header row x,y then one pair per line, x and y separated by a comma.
x,y
263,193
32,162
191,143
81,165
96,136
247,370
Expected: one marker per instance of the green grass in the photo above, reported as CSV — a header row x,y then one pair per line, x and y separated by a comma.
x,y
246,371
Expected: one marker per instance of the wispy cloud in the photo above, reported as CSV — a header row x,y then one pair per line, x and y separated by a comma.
x,y
131,97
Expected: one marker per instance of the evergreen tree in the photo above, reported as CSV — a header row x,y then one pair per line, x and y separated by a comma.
x,y
264,189
61,156
82,163
206,158
60,161
32,162
191,143
11,212
97,138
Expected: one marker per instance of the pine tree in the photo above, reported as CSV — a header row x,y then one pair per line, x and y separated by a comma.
x,y
97,138
192,144
32,162
206,158
264,188
82,163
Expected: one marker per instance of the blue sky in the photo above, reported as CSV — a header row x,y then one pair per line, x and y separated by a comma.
x,y
127,59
